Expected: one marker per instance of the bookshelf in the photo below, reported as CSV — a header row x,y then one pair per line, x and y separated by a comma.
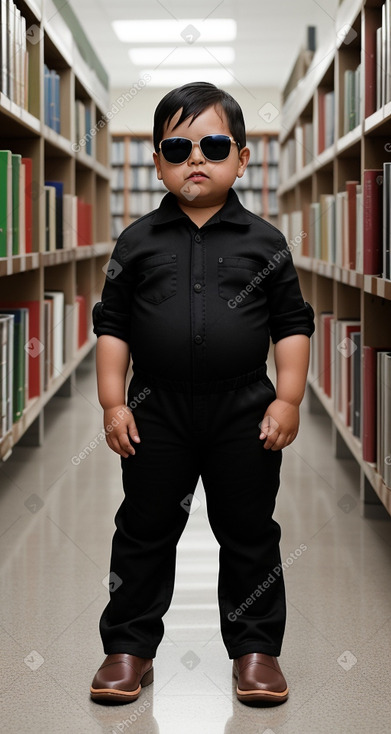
x,y
135,190
334,210
69,145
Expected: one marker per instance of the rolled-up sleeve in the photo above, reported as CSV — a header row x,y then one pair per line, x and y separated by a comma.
x,y
289,313
112,314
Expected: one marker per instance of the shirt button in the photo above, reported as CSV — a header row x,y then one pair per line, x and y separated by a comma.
x,y
197,238
198,339
197,287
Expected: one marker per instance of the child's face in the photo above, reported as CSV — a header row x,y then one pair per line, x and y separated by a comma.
x,y
199,182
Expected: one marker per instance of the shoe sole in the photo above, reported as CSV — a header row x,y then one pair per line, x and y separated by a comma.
x,y
118,695
259,696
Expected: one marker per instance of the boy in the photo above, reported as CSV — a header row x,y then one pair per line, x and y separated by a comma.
x,y
197,288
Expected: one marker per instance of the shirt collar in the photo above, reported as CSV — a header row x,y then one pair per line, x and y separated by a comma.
x,y
232,211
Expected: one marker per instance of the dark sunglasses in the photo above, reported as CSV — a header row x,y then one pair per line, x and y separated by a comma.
x,y
213,147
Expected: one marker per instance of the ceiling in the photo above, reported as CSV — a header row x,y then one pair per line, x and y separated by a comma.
x,y
269,36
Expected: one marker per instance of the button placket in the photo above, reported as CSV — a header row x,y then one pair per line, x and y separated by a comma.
x,y
198,307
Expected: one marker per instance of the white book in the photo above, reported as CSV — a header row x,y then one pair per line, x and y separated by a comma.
x,y
315,230
17,41
7,377
11,50
299,135
70,331
58,330
24,61
3,47
296,226
379,73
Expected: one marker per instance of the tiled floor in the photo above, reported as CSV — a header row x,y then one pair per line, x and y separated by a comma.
x,y
56,524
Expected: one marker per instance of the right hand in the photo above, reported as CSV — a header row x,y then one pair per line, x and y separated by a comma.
x,y
119,424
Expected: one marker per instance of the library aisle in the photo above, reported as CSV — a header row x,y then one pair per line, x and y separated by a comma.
x,y
56,524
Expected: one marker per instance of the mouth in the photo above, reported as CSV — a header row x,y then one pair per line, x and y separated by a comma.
x,y
197,176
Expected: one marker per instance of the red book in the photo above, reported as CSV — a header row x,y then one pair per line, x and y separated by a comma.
x,y
84,223
321,121
352,223
34,346
327,323
28,203
373,221
347,375
82,321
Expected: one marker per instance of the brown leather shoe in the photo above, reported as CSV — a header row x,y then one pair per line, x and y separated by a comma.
x,y
260,679
121,677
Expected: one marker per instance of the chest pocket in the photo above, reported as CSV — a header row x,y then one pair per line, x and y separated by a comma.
x,y
157,278
236,279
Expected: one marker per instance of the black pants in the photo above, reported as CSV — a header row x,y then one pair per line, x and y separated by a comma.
x,y
185,436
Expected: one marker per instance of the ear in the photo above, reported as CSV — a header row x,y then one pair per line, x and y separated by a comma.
x,y
244,157
156,161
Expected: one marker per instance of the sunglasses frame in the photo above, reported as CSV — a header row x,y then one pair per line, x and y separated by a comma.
x,y
193,143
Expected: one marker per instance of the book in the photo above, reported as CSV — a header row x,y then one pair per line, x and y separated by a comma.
x,y
16,163
84,223
369,406
7,372
28,204
383,418
33,345
19,398
50,218
355,381
344,349
372,221
58,329
6,232
59,223
325,339
386,221
350,250
81,320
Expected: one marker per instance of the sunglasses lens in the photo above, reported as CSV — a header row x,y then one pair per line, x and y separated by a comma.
x,y
216,147
176,150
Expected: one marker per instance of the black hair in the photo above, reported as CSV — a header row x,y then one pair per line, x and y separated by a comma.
x,y
194,98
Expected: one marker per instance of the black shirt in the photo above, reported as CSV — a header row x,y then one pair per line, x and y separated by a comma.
x,y
200,304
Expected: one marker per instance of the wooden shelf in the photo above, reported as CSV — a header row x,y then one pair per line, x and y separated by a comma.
x,y
346,293
55,157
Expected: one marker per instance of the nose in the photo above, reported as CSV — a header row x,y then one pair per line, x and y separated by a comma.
x,y
196,156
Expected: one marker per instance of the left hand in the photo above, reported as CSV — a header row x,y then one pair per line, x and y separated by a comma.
x,y
279,425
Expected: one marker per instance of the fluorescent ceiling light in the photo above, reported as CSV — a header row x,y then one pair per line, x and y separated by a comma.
x,y
177,77
182,56
187,31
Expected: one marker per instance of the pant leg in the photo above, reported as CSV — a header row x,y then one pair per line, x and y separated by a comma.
x,y
149,524
241,481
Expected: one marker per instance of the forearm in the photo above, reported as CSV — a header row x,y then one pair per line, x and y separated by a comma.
x,y
112,362
291,356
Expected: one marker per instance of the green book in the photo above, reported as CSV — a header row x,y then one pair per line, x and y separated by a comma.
x,y
16,163
19,376
5,203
